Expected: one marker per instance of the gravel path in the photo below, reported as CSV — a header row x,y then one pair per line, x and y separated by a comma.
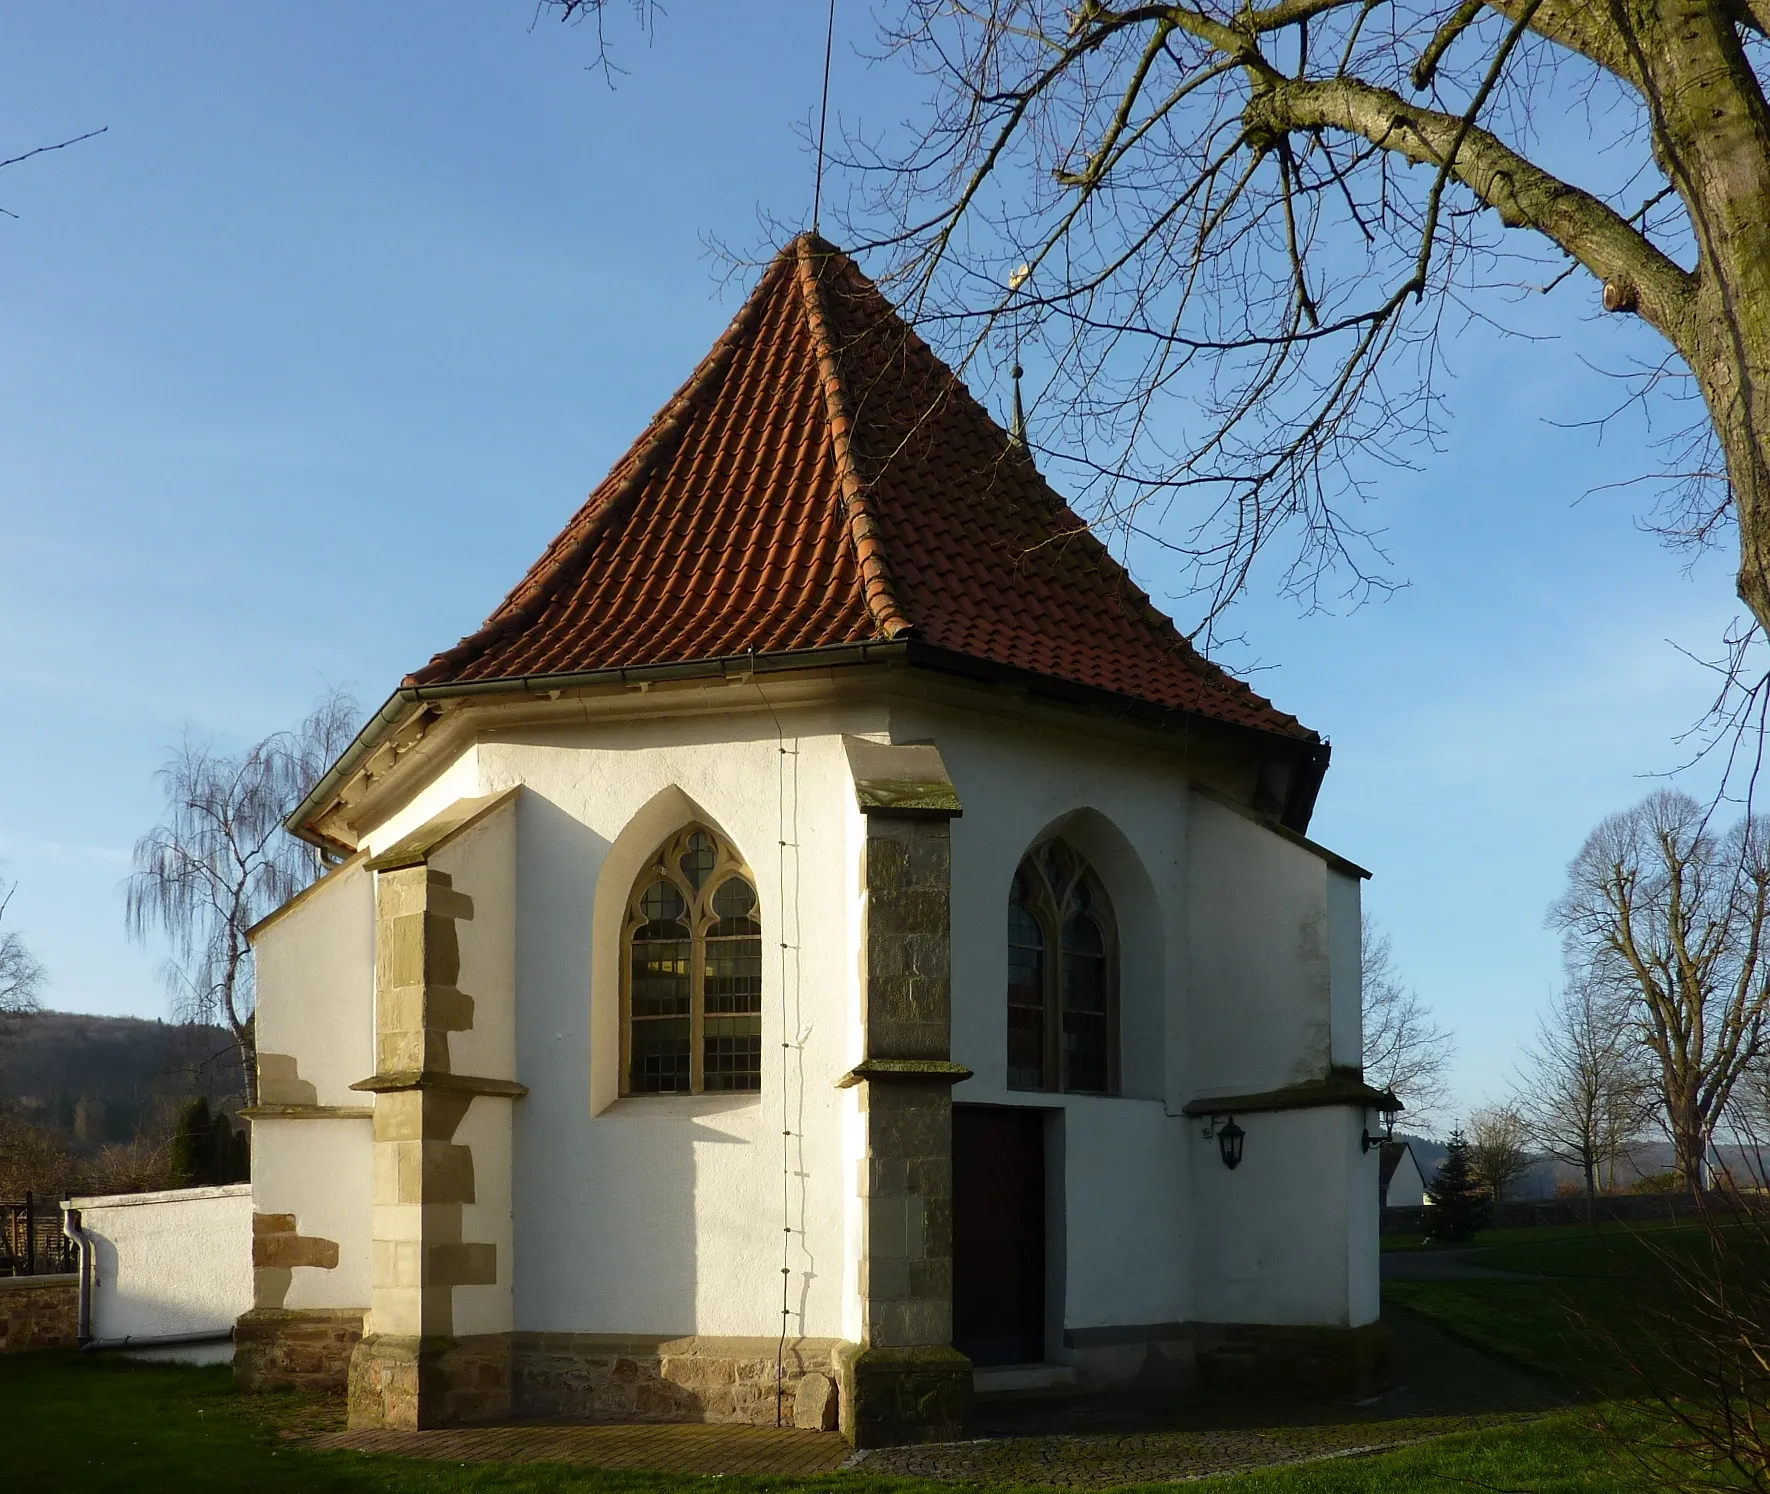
x,y
1440,1265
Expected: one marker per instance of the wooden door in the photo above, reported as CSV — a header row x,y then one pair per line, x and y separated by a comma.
x,y
999,1234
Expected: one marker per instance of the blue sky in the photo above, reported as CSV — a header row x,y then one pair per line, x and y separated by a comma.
x,y
303,362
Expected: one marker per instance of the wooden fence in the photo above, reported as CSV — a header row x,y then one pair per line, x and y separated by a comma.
x,y
31,1241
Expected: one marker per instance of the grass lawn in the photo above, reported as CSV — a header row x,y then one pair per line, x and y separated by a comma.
x,y
1539,1235
1586,1306
112,1424
106,1423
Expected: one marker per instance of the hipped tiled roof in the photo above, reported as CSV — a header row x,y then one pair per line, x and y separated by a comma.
x,y
824,479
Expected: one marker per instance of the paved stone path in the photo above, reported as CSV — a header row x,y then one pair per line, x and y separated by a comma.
x,y
667,1448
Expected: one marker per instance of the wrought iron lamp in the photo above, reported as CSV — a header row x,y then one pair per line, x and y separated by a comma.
x,y
1229,1139
1389,1109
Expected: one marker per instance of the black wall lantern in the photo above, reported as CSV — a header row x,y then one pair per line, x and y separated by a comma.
x,y
1388,1109
1229,1140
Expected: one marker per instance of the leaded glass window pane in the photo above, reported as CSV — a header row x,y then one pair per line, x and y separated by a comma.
x,y
1026,995
694,975
732,1053
1084,1005
660,1056
1062,997
698,860
662,951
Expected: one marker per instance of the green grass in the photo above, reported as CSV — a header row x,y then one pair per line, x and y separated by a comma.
x,y
1557,1455
1564,1330
1588,1307
103,1424
1535,1235
111,1424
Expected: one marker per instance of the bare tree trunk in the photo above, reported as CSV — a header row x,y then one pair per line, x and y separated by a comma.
x,y
1711,131
1689,1144
244,1034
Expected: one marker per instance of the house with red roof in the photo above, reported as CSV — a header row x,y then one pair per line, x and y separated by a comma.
x,y
825,948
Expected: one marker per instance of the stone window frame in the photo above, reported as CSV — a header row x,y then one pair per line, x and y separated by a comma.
x,y
664,864
1048,906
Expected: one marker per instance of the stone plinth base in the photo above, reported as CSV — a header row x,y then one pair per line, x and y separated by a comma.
x,y
409,1384
295,1348
1293,1360
617,1377
39,1312
1152,1356
894,1396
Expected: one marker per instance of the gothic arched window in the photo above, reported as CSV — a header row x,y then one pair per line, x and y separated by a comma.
x,y
1062,976
691,961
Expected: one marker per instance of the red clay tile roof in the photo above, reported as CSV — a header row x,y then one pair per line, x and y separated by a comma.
x,y
823,479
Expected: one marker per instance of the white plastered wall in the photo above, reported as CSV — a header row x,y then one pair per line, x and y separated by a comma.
x,y
1290,1236
169,1264
668,1214
315,966
480,862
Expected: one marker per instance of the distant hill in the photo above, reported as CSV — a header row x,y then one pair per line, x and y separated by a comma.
x,y
95,1080
1645,1159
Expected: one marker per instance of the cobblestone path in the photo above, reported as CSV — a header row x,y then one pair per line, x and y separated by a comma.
x,y
1103,1462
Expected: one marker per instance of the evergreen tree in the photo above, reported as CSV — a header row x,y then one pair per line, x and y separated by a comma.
x,y
192,1145
206,1149
1459,1205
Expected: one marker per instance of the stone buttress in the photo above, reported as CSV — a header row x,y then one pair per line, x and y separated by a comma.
x,y
904,1382
430,1355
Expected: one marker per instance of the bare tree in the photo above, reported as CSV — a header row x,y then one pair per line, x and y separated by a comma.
x,y
1671,916
1404,1049
221,860
1499,1147
21,973
1256,217
1584,1089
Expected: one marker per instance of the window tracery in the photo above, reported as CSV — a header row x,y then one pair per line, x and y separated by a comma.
x,y
1062,975
692,972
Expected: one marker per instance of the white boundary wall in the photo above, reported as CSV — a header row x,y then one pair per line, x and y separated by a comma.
x,y
169,1264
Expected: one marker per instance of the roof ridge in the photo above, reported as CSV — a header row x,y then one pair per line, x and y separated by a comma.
x,y
1118,574
659,440
877,588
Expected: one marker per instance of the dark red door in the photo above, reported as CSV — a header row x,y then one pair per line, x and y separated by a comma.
x,y
999,1234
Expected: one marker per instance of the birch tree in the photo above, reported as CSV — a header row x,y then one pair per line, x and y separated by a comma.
x,y
221,860
1670,915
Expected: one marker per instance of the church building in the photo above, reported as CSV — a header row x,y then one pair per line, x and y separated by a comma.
x,y
825,947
